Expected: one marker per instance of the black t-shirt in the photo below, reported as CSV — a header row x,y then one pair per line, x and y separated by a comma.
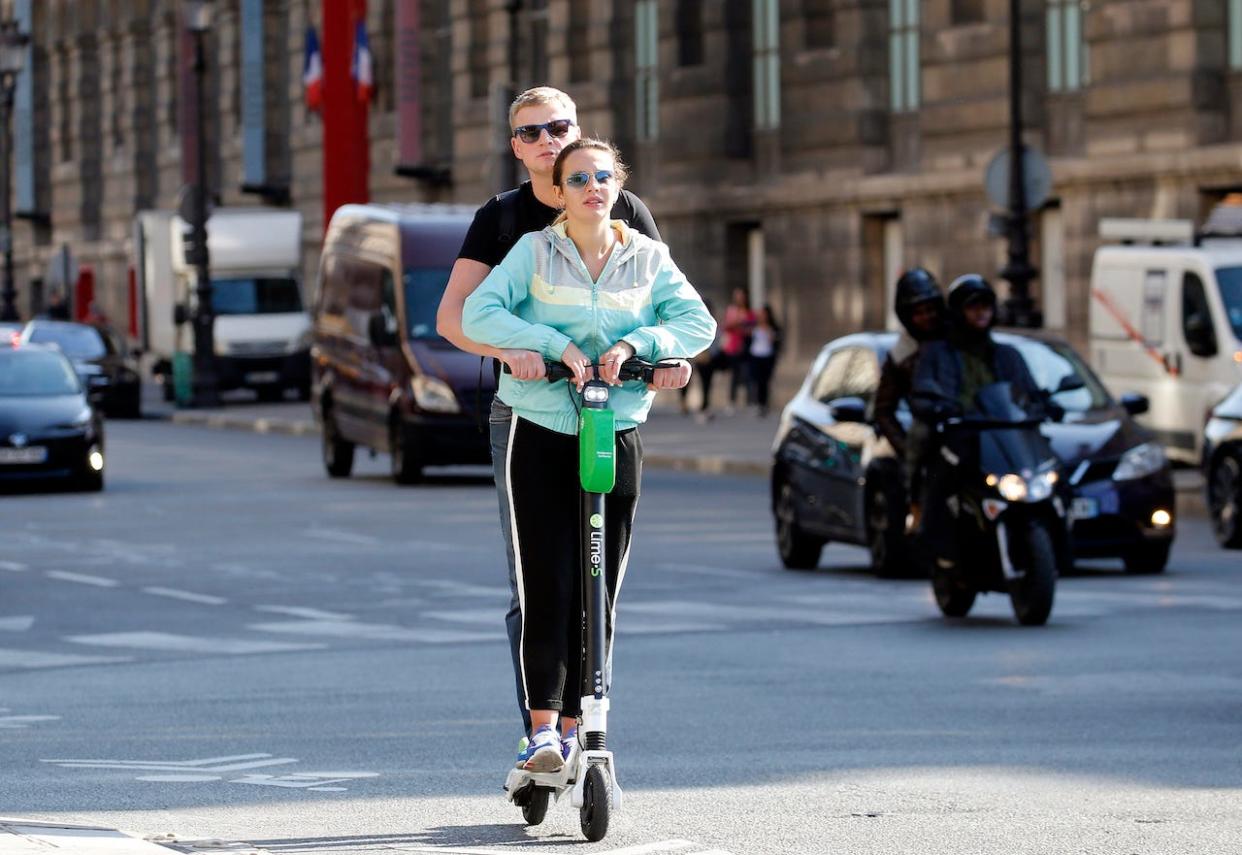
x,y
484,241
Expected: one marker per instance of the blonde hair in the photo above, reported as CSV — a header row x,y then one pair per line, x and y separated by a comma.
x,y
542,95
620,171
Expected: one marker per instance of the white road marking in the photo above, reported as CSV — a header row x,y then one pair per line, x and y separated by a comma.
x,y
82,579
337,535
646,848
188,596
463,589
17,624
178,779
14,566
187,643
200,767
15,722
12,658
305,780
703,570
755,613
303,612
376,631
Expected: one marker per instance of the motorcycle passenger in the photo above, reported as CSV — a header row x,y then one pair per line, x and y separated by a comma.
x,y
949,375
920,307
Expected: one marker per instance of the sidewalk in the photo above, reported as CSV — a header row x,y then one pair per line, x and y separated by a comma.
x,y
737,444
35,837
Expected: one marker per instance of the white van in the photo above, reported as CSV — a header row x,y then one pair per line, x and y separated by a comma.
x,y
1166,322
262,329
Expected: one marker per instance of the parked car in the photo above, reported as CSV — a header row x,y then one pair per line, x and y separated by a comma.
x,y
833,478
1222,469
100,359
48,426
382,378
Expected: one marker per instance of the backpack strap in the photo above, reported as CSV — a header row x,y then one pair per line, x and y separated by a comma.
x,y
508,202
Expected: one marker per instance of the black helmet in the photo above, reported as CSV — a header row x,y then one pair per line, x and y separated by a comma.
x,y
968,289
915,287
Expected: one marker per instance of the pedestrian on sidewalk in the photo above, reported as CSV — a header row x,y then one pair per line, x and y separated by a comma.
x,y
543,121
586,290
765,349
739,322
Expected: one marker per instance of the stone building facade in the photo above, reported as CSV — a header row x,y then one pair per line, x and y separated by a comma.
x,y
806,150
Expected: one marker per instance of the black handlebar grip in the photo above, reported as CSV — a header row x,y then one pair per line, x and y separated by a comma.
x,y
631,369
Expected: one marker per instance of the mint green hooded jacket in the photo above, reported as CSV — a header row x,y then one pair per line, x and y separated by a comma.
x,y
541,298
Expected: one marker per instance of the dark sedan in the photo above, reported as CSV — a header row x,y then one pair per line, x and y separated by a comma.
x,y
107,371
1222,468
833,478
48,428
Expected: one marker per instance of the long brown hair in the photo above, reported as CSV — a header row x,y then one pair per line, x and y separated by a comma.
x,y
620,171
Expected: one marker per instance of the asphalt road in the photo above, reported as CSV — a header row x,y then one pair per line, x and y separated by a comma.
x,y
225,644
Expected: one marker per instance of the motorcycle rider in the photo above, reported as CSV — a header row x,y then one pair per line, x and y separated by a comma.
x,y
948,376
920,307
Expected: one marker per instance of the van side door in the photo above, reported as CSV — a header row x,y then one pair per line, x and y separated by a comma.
x,y
1201,353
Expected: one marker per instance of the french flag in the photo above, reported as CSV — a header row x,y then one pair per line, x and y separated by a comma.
x,y
363,71
312,72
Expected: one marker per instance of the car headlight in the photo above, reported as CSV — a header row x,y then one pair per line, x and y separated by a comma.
x,y
434,395
1140,461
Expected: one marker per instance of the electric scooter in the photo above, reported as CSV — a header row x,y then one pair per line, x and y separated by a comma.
x,y
589,774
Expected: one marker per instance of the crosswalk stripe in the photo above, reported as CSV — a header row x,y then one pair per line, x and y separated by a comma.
x,y
188,596
82,578
376,631
188,644
647,848
32,659
13,566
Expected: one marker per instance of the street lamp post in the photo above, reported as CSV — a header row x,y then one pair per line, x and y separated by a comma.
x,y
12,59
206,391
1019,309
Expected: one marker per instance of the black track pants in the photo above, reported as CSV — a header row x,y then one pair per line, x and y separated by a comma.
x,y
546,510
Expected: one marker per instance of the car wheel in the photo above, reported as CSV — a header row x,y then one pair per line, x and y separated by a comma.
x,y
1225,500
338,453
406,467
798,550
1147,559
886,532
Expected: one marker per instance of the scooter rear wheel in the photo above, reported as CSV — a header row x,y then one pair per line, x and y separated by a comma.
x,y
536,806
596,804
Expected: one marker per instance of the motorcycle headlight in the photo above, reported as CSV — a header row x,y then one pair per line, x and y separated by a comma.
x,y
434,395
1040,487
1140,461
1012,488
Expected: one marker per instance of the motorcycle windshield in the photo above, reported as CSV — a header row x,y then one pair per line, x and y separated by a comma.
x,y
1001,402
1011,441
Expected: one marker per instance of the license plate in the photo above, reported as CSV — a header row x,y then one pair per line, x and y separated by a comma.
x,y
33,454
262,376
1084,508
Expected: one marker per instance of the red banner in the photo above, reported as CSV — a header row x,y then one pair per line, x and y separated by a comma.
x,y
346,147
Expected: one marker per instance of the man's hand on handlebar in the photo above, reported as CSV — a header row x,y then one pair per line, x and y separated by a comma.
x,y
524,364
671,378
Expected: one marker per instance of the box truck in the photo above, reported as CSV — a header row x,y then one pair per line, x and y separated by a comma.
x,y
261,330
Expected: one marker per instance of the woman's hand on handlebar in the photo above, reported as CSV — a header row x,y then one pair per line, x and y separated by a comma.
x,y
671,378
577,362
524,364
610,362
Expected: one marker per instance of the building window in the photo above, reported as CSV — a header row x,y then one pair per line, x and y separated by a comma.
x,y
537,33
1235,35
578,47
903,55
117,85
689,32
64,98
646,68
817,20
1067,51
967,12
172,71
767,64
480,38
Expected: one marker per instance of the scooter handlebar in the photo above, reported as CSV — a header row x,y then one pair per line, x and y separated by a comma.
x,y
631,369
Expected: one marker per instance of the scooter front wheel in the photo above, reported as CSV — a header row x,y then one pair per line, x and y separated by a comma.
x,y
535,808
596,804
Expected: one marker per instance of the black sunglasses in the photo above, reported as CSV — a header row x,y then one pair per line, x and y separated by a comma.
x,y
578,180
555,128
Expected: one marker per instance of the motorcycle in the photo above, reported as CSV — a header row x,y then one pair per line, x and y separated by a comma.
x,y
1006,508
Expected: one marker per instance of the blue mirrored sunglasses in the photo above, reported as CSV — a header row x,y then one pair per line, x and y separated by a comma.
x,y
578,180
